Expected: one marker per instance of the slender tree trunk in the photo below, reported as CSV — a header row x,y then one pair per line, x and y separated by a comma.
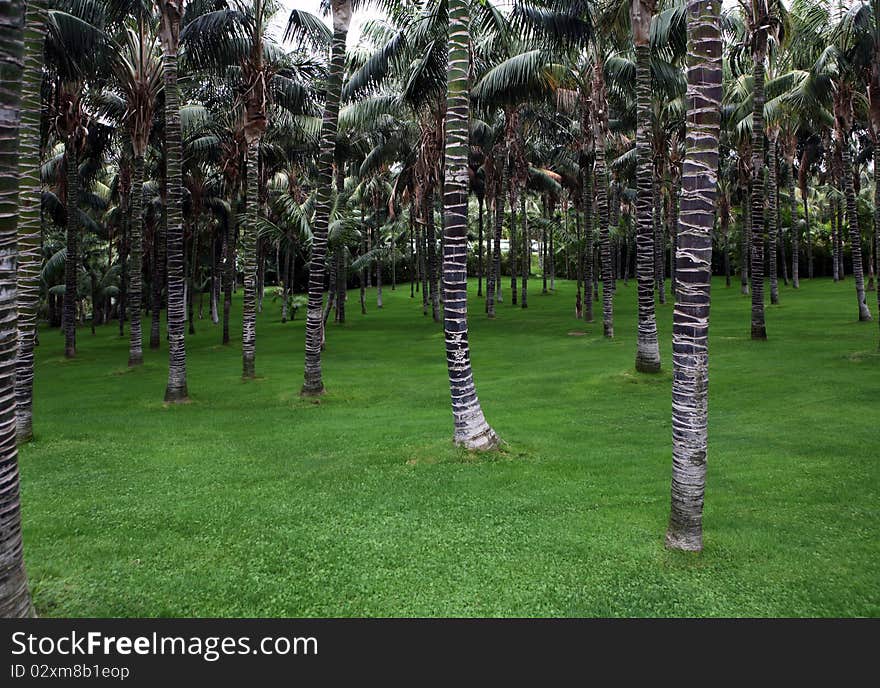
x,y
746,239
215,280
249,260
648,350
495,266
527,252
431,240
759,329
29,216
15,599
690,329
724,209
471,429
159,268
795,230
136,337
835,243
772,204
191,284
313,379
659,242
71,263
480,246
604,242
854,233
587,257
511,252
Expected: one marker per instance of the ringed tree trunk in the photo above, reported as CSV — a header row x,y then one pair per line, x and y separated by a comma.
x,y
802,183
526,251
135,277
471,429
249,260
759,329
480,245
795,228
29,216
15,600
313,383
648,348
843,121
772,204
493,282
690,329
600,122
72,260
176,390
587,258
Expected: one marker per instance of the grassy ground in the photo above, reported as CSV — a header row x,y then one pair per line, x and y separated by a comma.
x,y
252,502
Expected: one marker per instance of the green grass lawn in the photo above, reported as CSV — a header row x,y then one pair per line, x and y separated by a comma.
x,y
253,502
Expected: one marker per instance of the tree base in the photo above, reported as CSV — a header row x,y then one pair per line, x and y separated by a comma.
x,y
483,441
609,331
176,396
644,365
307,391
864,314
135,361
248,370
24,434
759,332
685,542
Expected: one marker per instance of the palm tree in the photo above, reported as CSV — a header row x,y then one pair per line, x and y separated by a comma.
x,y
169,35
690,353
137,68
313,381
29,215
471,429
648,347
15,599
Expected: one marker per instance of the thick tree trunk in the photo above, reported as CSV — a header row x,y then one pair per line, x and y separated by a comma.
x,y
249,260
176,390
690,329
29,216
648,349
471,429
759,329
313,383
15,599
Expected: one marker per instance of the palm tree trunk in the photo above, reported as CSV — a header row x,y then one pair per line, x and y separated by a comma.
x,y
648,347
29,216
511,251
795,230
759,329
191,281
495,265
431,241
772,204
690,329
526,250
601,175
248,250
71,263
313,381
587,257
480,246
15,599
471,429
159,268
135,277
746,238
659,242
724,211
854,233
176,390
802,183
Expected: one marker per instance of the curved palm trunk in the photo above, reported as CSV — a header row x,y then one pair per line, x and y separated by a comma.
x,y
852,217
248,249
29,216
772,202
648,350
136,337
175,391
759,329
15,599
313,383
690,329
471,429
